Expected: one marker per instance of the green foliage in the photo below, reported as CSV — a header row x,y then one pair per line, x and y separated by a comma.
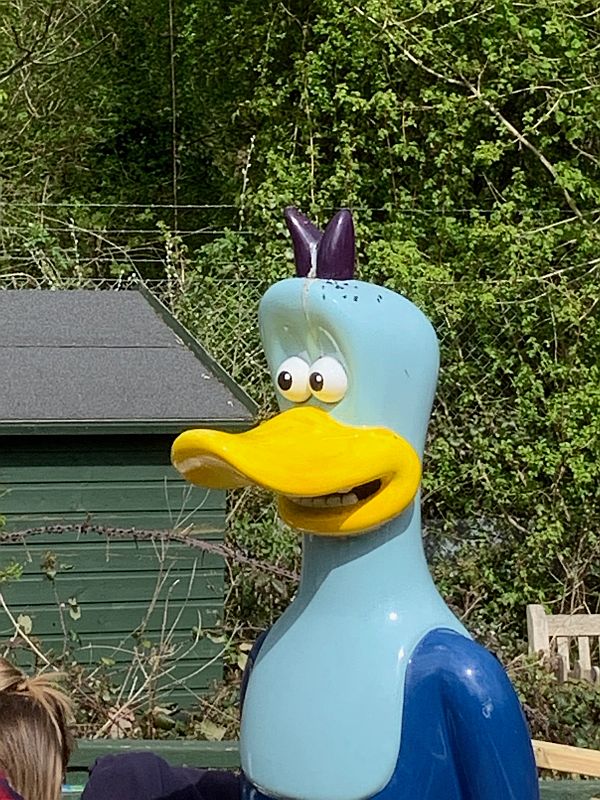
x,y
258,598
378,107
10,572
465,137
568,713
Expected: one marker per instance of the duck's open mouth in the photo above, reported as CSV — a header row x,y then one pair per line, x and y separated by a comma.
x,y
342,498
330,478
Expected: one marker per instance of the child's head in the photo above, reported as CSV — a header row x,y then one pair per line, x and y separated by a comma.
x,y
35,743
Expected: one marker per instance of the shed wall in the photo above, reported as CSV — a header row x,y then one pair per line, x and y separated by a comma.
x,y
124,604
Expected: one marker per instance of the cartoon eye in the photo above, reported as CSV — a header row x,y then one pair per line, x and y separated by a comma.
x,y
292,379
328,380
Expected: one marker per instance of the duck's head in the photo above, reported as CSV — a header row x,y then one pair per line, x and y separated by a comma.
x,y
355,367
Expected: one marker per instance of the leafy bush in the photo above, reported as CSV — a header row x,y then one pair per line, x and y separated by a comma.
x,y
466,140
568,713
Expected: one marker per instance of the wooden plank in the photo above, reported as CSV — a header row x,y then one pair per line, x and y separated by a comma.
x,y
93,647
537,629
555,790
202,521
176,496
189,697
197,676
118,618
75,451
12,475
564,758
68,450
74,786
562,648
163,679
179,674
187,671
584,663
113,555
117,427
31,591
574,625
123,482
225,755
194,674
180,752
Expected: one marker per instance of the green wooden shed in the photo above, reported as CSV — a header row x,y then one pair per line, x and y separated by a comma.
x,y
94,386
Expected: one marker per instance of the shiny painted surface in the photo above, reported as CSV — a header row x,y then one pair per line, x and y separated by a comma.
x,y
389,354
322,717
464,736
322,254
386,345
305,452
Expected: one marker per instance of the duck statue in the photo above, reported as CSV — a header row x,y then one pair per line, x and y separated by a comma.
x,y
367,686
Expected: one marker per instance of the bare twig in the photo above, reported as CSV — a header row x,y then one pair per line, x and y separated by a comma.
x,y
19,632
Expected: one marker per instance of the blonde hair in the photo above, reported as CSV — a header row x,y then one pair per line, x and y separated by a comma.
x,y
35,743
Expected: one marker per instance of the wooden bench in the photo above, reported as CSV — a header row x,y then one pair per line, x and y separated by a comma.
x,y
225,755
569,638
565,758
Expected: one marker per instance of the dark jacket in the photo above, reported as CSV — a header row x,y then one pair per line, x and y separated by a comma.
x,y
145,776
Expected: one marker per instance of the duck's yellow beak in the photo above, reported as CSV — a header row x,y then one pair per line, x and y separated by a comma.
x,y
330,478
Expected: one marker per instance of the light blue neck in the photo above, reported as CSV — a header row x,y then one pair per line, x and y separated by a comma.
x,y
384,568
329,678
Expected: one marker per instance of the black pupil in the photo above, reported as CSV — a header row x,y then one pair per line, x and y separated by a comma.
x,y
316,381
284,380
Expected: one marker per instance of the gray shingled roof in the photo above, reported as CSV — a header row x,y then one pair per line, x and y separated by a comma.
x,y
101,356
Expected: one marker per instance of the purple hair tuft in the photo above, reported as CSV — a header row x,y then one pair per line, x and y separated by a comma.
x,y
335,256
305,238
328,255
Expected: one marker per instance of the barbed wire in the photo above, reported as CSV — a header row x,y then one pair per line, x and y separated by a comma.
x,y
226,552
83,205
70,227
95,259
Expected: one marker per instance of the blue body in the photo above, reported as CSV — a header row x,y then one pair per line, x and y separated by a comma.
x,y
464,736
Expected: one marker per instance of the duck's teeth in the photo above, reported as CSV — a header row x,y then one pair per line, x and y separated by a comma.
x,y
304,501
327,501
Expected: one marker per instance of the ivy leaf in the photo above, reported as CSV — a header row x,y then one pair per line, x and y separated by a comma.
x,y
212,731
74,610
25,623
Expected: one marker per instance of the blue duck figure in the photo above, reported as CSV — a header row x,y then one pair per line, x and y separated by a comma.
x,y
367,686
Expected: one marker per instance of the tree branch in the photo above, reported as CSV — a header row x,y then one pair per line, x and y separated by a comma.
x,y
520,137
475,93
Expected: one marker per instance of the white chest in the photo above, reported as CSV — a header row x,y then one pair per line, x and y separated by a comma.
x,y
323,711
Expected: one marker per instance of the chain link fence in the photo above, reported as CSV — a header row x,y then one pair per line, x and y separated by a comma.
x,y
512,459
